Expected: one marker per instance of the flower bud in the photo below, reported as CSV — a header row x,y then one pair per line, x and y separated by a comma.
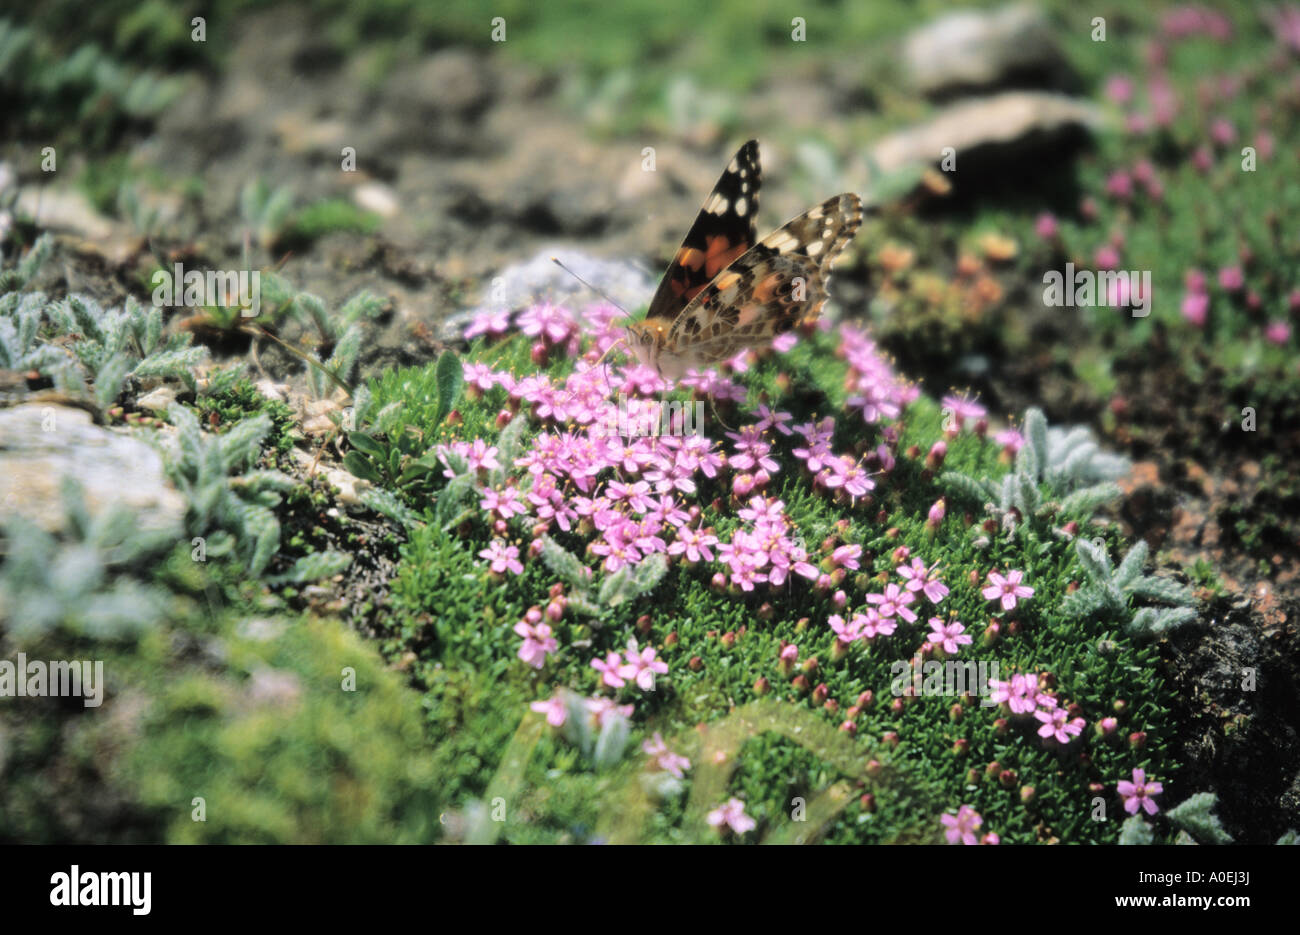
x,y
1007,778
900,555
718,582
896,706
670,640
890,739
868,802
555,611
766,611
991,634
762,686
866,699
539,353
728,639
503,418
1106,726
1138,739
991,838
913,451
938,451
810,667
695,664
800,684
839,649
973,777
1000,727
820,693
1120,706
993,769
1027,794
955,713
787,658
831,705
839,599
961,746
849,727
874,768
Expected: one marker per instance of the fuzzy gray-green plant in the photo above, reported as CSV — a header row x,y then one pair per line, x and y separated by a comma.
x,y
26,267
628,583
1196,817
229,511
1077,473
108,346
76,582
1110,590
265,211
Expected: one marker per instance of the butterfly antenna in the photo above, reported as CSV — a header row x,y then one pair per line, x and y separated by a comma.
x,y
717,415
599,292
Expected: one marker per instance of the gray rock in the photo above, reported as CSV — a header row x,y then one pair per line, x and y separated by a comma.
x,y
1005,120
980,48
41,443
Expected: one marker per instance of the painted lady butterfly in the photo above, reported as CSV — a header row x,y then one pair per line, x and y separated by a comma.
x,y
724,292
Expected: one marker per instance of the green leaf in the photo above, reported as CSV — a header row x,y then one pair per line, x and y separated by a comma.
x,y
648,573
360,466
1135,831
1196,817
368,445
313,567
450,379
564,564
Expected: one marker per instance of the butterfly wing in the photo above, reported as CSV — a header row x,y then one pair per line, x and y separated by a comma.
x,y
768,290
722,232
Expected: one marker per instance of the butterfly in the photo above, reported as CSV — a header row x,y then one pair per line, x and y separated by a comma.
x,y
726,291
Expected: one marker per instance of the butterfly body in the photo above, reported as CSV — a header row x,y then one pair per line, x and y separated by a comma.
x,y
725,292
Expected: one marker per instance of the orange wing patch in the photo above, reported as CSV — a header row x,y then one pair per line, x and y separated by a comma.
x,y
722,253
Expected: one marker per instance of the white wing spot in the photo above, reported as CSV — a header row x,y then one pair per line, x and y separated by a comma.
x,y
741,206
814,248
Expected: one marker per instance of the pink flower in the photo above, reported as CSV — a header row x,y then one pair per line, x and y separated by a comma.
x,y
555,709
1058,724
1120,185
1195,308
962,826
951,636
894,603
1045,226
1139,793
732,815
1119,89
503,557
663,758
538,642
610,669
1278,332
641,666
1231,278
1011,440
602,709
1021,694
504,503
1222,131
1106,257
1007,589
925,580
